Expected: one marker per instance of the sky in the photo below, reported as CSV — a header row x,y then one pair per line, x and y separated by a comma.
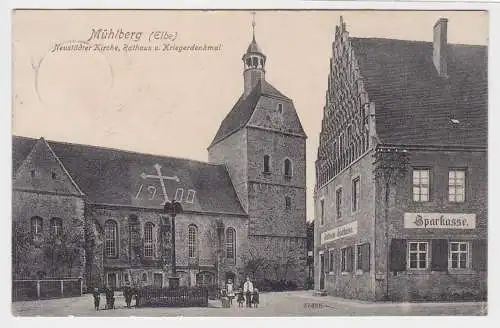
x,y
171,103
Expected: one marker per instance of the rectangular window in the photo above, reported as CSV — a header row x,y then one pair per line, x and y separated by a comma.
x,y
266,164
346,259
359,257
322,217
355,194
338,202
421,185
456,185
418,253
190,196
330,260
179,192
458,255
363,257
343,259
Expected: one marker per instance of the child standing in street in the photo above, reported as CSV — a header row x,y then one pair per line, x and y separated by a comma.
x,y
255,297
97,298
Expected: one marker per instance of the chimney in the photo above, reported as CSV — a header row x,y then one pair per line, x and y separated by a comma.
x,y
440,47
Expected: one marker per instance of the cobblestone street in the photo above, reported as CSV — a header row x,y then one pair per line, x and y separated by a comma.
x,y
299,303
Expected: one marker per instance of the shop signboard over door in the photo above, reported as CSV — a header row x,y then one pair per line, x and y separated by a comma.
x,y
439,221
349,229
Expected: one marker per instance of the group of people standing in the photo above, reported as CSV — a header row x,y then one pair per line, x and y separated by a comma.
x,y
248,295
128,294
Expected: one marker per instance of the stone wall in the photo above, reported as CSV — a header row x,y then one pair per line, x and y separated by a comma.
x,y
36,256
131,260
232,152
428,284
346,284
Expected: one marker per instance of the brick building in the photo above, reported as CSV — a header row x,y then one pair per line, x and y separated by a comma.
x,y
246,203
401,173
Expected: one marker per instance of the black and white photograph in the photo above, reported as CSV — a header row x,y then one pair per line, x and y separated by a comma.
x,y
249,163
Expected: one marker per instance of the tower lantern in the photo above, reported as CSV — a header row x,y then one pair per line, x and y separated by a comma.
x,y
254,62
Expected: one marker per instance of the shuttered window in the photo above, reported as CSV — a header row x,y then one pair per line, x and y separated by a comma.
x,y
363,257
347,259
418,254
458,255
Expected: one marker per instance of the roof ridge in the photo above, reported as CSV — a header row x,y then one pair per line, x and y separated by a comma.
x,y
416,41
253,96
119,150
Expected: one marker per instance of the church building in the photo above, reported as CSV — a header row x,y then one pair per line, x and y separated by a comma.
x,y
97,213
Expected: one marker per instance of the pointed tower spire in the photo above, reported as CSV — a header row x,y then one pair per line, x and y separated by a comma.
x,y
253,26
254,62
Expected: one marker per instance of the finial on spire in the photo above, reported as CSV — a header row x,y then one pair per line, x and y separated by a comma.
x,y
253,24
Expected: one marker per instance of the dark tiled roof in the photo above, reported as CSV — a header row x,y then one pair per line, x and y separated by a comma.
x,y
242,111
253,47
413,105
111,176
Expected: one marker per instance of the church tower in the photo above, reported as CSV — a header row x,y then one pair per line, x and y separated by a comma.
x,y
254,62
263,145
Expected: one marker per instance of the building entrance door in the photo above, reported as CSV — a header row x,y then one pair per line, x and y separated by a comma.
x,y
112,280
322,271
158,280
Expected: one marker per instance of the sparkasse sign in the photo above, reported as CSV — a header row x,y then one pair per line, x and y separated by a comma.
x,y
439,221
346,230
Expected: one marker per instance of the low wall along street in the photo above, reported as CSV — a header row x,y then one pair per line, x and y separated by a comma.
x,y
440,221
346,230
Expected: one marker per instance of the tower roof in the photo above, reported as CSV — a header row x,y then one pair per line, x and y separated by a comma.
x,y
253,47
242,111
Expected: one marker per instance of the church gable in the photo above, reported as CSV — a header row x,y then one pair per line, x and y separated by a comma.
x,y
42,171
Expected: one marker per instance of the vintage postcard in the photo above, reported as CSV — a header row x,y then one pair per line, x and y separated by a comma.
x,y
249,163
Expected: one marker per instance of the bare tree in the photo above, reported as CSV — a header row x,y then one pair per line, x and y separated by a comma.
x,y
22,246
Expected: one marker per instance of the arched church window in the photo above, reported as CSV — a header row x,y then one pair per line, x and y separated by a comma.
x,y
148,239
36,226
192,241
266,164
231,244
249,62
280,108
110,238
144,277
288,168
56,226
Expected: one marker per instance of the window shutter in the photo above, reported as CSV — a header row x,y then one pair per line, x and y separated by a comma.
x,y
479,254
327,263
350,259
365,264
398,254
439,255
